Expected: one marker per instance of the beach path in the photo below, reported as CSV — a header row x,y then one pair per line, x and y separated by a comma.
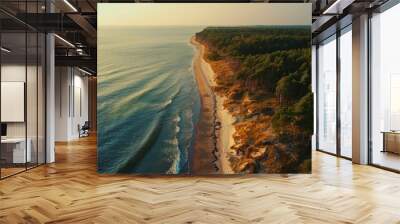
x,y
212,110
204,148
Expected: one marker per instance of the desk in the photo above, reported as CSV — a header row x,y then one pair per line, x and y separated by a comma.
x,y
15,148
391,141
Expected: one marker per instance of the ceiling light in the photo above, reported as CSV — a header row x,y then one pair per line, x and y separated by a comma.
x,y
332,7
65,41
84,71
5,50
338,6
70,5
79,51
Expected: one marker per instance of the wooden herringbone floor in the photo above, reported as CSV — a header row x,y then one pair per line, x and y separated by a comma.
x,y
70,191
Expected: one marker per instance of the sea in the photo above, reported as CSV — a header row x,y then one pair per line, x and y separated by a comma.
x,y
147,99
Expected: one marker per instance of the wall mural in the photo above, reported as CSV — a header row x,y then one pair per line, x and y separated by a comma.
x,y
204,88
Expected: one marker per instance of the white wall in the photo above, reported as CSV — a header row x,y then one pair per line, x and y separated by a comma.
x,y
80,109
16,73
62,82
13,72
71,102
9,73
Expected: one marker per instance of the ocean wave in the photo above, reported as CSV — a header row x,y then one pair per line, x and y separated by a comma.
x,y
105,66
107,73
145,89
147,109
150,138
174,168
121,101
177,118
125,79
124,109
176,121
131,73
169,101
147,142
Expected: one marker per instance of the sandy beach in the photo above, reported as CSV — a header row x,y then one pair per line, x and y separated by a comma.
x,y
214,132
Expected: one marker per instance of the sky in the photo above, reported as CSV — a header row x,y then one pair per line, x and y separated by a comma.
x,y
203,14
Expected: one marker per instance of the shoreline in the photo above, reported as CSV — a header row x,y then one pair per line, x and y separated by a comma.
x,y
220,126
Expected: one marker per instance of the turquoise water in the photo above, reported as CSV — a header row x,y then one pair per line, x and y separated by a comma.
x,y
148,100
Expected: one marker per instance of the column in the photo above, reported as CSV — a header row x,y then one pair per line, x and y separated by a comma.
x,y
360,90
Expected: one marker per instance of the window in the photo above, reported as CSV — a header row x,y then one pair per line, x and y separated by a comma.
x,y
327,95
385,89
346,92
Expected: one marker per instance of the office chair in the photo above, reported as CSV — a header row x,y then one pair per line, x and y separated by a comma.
x,y
84,130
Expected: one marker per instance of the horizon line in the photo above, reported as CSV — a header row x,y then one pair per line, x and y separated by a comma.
x,y
120,25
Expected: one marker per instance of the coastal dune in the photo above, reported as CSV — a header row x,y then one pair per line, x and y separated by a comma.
x,y
214,131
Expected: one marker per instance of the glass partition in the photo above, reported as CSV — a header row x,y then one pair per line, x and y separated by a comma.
x,y
327,95
14,151
22,78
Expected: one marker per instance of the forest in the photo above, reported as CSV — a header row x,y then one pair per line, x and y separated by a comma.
x,y
268,90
